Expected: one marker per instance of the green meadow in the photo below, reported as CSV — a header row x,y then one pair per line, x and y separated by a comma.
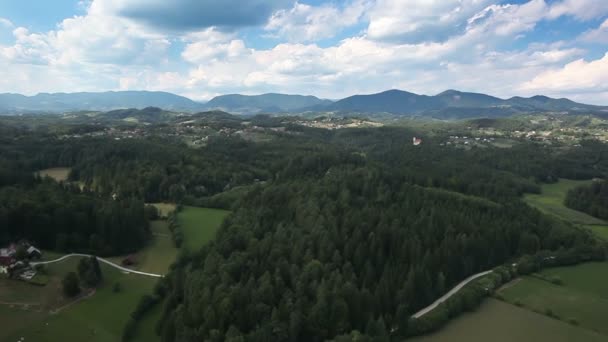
x,y
551,201
497,321
100,317
581,298
199,225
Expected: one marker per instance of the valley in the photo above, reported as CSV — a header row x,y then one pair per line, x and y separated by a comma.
x,y
304,171
265,204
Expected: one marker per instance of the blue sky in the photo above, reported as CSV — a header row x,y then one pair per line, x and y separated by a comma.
x,y
331,49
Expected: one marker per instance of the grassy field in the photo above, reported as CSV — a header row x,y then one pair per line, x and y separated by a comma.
x,y
583,296
15,320
199,225
146,328
98,318
59,174
600,231
501,322
158,255
551,201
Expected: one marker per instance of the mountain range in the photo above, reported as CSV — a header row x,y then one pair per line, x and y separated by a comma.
x,y
448,104
452,103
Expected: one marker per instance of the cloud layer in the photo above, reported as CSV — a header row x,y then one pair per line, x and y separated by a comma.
x,y
201,48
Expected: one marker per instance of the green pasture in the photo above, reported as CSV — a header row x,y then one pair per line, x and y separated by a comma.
x,y
199,225
501,322
581,299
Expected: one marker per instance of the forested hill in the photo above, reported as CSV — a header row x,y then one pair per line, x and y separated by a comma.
x,y
342,242
403,102
267,103
450,104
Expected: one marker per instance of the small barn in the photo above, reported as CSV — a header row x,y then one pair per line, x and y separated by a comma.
x,y
129,261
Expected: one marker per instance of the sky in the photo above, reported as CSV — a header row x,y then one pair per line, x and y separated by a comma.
x,y
330,49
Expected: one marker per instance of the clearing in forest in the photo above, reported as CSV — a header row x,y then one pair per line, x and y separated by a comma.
x,y
199,225
551,201
60,174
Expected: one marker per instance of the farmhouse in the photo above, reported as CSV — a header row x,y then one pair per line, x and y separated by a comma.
x,y
7,255
33,253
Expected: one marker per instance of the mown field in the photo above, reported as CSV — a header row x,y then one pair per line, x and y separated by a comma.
x,y
164,208
59,174
581,299
501,322
158,255
199,225
551,202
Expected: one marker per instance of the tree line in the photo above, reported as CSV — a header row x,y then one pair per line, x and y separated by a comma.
x,y
60,217
591,199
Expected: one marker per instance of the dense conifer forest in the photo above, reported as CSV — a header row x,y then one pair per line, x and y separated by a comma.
x,y
333,233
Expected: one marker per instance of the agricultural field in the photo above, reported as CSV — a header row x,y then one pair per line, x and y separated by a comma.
x,y
581,299
98,318
17,319
158,255
551,201
501,322
199,225
59,174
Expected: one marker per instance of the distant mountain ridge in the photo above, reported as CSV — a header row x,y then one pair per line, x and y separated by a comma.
x,y
446,105
268,103
405,103
106,101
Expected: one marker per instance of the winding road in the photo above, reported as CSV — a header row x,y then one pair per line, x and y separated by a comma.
x,y
416,315
124,269
449,294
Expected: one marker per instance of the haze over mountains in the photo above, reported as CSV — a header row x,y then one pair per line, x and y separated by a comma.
x,y
448,104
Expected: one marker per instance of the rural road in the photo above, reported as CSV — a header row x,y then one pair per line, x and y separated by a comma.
x,y
124,269
449,294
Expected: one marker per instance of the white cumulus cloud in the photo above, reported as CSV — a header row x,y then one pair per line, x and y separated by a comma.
x,y
577,76
599,35
308,23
